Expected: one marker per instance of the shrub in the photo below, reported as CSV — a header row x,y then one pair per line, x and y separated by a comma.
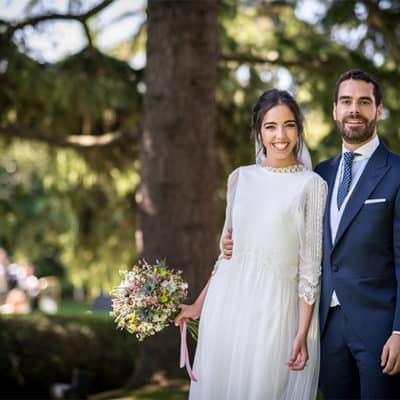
x,y
37,351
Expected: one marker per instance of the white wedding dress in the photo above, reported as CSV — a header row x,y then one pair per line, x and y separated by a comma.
x,y
250,314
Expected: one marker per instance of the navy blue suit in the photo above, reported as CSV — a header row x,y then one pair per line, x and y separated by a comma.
x,y
363,267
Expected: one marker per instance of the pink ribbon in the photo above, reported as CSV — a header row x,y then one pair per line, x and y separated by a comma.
x,y
184,358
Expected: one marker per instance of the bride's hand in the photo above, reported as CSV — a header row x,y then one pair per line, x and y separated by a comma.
x,y
299,357
191,311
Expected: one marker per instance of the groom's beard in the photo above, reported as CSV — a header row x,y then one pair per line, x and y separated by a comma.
x,y
356,134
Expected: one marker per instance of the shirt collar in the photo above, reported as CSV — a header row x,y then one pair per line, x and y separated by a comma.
x,y
366,150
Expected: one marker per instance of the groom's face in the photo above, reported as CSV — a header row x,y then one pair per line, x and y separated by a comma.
x,y
356,113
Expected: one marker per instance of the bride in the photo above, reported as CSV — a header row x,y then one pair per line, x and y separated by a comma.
x,y
258,333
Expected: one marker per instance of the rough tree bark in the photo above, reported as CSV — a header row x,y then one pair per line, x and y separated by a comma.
x,y
178,163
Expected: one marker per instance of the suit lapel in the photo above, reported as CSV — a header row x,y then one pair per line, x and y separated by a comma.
x,y
374,171
330,180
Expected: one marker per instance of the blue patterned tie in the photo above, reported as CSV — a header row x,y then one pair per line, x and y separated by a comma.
x,y
344,185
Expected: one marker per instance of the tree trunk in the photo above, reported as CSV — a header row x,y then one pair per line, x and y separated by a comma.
x,y
176,200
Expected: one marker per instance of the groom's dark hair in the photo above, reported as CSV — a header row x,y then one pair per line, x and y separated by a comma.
x,y
358,75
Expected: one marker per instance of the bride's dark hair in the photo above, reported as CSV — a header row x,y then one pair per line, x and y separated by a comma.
x,y
268,100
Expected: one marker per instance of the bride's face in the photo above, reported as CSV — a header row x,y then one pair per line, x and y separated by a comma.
x,y
279,136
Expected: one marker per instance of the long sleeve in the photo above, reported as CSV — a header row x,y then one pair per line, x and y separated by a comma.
x,y
311,239
230,196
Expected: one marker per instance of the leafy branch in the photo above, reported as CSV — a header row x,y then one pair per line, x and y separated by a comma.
x,y
35,20
74,141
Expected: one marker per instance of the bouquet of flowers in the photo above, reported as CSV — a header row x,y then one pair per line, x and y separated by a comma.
x,y
147,299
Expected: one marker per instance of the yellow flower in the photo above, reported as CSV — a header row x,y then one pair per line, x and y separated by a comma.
x,y
132,328
163,299
163,272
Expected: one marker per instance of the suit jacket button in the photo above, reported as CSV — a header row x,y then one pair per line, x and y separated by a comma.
x,y
335,268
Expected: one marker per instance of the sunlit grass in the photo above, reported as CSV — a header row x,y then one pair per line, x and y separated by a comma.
x,y
71,307
161,388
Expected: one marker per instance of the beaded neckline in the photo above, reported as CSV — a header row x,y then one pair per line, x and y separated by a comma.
x,y
285,170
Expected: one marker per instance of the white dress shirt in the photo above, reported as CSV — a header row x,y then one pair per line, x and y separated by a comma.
x,y
360,161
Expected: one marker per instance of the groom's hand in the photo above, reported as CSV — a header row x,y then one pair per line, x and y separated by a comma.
x,y
390,358
227,244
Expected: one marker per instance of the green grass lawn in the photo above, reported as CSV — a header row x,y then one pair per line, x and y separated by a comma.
x,y
174,389
71,307
167,390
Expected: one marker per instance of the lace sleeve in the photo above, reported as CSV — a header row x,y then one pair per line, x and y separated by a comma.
x,y
311,239
230,196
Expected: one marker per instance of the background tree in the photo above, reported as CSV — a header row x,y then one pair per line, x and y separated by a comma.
x,y
178,163
69,138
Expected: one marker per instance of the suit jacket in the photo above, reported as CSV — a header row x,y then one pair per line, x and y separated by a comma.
x,y
363,264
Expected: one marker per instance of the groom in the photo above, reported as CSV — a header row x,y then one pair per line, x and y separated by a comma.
x,y
360,292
